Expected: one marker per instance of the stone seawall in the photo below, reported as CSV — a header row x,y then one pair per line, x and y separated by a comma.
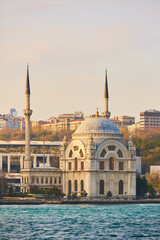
x,y
20,201
38,201
142,201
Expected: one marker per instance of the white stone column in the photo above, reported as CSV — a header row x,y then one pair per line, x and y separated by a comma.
x,y
9,163
64,183
21,161
48,160
35,161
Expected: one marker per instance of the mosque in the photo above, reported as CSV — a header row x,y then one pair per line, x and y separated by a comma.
x,y
96,161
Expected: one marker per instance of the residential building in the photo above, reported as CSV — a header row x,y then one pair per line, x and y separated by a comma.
x,y
155,169
36,124
126,120
21,121
117,122
150,119
123,121
8,121
134,127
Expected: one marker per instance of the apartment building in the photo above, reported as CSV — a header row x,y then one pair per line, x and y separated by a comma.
x,y
150,119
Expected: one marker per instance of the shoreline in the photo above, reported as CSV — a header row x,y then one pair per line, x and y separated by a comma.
x,y
77,202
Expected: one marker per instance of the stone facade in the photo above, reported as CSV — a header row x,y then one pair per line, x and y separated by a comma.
x,y
97,161
44,177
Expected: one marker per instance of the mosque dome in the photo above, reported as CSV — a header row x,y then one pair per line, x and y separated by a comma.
x,y
98,125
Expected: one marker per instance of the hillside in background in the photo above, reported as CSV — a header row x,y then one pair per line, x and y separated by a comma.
x,y
36,135
148,142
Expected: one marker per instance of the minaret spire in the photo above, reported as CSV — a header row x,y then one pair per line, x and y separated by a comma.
x,y
106,95
27,113
106,98
27,90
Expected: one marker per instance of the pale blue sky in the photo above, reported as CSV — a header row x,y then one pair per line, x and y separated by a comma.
x,y
68,44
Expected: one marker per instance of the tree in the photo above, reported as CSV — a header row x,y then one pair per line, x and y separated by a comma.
x,y
141,186
151,191
154,180
3,184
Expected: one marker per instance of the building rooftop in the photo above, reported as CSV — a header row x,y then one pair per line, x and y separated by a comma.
x,y
33,143
98,125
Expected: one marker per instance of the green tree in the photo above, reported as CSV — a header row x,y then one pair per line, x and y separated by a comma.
x,y
3,185
141,186
151,191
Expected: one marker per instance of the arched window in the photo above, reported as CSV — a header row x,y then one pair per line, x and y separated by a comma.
x,y
76,164
101,187
103,153
121,187
111,163
120,155
70,153
111,148
82,185
69,187
75,186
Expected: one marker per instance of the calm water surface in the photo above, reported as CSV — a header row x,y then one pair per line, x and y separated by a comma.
x,y
80,222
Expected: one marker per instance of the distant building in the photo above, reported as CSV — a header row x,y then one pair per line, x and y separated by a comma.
x,y
123,121
63,117
64,122
13,112
8,121
126,120
150,119
12,156
78,115
70,116
62,126
134,127
3,122
21,121
36,124
116,121
155,169
74,124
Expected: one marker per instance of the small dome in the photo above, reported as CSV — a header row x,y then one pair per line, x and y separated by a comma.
x,y
98,125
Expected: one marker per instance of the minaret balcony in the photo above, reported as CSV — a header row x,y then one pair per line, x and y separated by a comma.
x,y
27,112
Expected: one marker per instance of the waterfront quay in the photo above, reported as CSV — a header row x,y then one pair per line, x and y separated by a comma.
x,y
25,201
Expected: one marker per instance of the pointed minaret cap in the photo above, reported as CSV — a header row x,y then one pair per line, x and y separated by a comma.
x,y
106,113
27,91
106,95
97,113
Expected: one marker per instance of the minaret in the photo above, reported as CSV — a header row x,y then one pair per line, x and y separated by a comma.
x,y
106,99
27,113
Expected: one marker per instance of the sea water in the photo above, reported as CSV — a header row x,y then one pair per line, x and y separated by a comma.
x,y
139,221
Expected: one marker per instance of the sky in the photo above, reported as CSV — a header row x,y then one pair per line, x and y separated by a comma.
x,y
69,44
